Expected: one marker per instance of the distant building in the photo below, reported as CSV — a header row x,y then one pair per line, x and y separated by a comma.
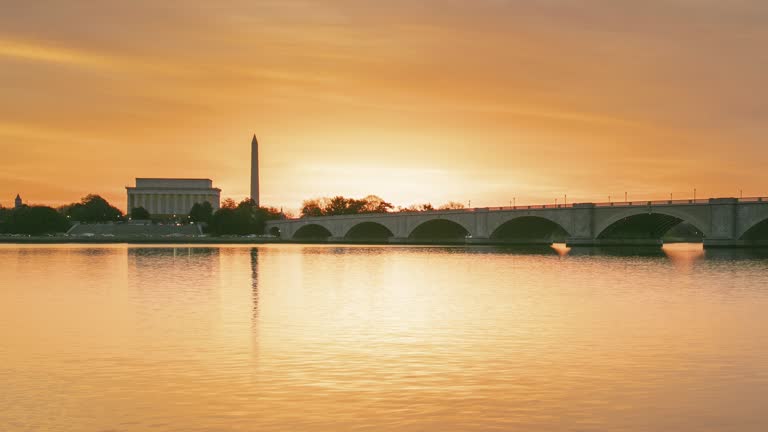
x,y
166,196
18,202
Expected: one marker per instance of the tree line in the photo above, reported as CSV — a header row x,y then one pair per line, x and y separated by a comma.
x,y
37,219
232,218
340,205
242,218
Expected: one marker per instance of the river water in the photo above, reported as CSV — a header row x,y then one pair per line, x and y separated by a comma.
x,y
328,338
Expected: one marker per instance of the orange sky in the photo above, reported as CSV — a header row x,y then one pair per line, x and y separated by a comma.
x,y
415,101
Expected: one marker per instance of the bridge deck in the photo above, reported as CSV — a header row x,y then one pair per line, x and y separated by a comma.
x,y
721,221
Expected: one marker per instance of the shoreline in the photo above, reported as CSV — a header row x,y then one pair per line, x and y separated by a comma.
x,y
253,240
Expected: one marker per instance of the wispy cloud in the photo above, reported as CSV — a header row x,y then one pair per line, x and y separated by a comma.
x,y
52,54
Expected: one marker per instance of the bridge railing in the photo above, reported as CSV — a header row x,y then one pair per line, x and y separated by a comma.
x,y
654,202
529,207
675,202
602,204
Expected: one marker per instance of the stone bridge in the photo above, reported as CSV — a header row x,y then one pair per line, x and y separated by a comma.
x,y
721,222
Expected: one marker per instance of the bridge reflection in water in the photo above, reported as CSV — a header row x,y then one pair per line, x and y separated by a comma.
x,y
720,222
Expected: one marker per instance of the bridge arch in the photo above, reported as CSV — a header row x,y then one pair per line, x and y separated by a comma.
x,y
758,231
440,229
529,229
369,231
312,232
646,223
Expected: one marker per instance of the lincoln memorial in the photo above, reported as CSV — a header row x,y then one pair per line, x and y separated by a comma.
x,y
165,196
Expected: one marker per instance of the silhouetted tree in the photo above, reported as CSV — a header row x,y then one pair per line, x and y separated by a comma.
x,y
228,203
140,213
374,204
224,221
35,220
311,208
93,208
340,205
201,212
5,214
245,218
417,208
451,205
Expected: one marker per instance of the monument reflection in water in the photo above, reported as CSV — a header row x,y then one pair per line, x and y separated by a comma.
x,y
382,338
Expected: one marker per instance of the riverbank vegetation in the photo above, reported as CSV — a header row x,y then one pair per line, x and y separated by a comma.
x,y
340,205
92,209
450,205
232,218
32,220
140,213
39,220
241,219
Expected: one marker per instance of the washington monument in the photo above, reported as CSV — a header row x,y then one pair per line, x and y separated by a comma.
x,y
255,170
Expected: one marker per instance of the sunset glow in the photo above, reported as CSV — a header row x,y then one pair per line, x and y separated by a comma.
x,y
426,101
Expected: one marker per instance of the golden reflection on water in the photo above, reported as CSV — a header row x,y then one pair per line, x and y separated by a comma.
x,y
329,338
